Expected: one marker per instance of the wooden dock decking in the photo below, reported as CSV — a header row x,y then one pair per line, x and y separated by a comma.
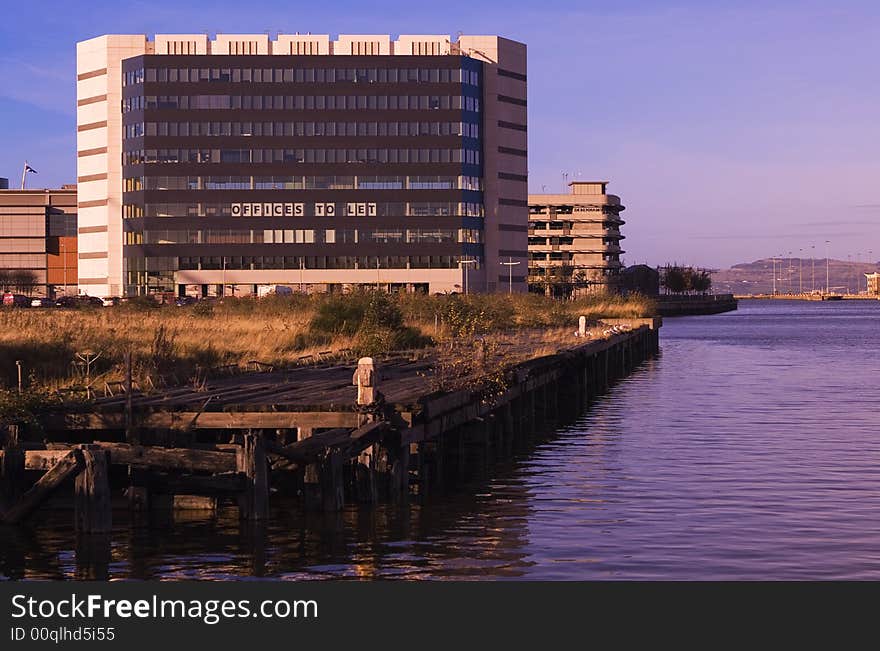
x,y
299,432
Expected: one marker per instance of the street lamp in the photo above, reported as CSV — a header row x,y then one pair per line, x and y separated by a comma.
x,y
302,265
64,264
510,265
801,271
812,268
774,276
827,267
466,262
790,279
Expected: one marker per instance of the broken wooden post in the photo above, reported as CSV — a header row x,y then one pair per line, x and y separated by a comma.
x,y
130,436
93,513
251,462
365,380
332,487
11,466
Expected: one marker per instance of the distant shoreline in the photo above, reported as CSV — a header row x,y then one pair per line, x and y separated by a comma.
x,y
809,297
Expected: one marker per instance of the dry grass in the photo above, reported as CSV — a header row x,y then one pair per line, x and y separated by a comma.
x,y
278,330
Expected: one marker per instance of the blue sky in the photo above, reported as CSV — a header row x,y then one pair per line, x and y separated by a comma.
x,y
731,130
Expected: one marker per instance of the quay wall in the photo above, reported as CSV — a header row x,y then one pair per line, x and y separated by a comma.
x,y
670,305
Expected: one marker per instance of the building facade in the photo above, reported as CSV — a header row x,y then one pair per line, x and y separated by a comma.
x,y
38,248
574,240
220,165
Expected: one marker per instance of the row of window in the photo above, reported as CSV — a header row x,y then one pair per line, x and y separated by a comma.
x,y
307,236
302,102
560,255
397,209
304,129
360,182
560,225
569,241
295,155
568,210
214,263
302,75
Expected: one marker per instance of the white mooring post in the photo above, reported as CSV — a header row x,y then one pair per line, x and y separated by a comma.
x,y
582,326
365,380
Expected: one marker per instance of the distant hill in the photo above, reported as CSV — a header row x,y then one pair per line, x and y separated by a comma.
x,y
757,277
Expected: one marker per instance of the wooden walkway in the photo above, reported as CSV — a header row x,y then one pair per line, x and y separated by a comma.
x,y
299,432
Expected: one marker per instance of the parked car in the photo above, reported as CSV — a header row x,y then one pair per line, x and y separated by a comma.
x,y
110,301
16,300
79,301
42,302
182,301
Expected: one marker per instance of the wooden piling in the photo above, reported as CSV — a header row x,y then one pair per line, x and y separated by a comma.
x,y
251,462
93,513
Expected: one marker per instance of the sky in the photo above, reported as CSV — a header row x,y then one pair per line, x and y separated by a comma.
x,y
732,131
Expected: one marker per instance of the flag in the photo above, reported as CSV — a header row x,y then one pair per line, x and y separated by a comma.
x,y
28,168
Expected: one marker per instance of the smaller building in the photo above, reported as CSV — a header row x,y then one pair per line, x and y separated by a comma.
x,y
640,279
873,283
38,243
574,240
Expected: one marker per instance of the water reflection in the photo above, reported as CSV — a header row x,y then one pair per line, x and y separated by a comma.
x,y
748,450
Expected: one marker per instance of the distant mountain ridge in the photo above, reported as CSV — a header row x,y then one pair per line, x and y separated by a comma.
x,y
792,274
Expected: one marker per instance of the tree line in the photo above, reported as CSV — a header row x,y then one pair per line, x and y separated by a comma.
x,y
678,279
22,281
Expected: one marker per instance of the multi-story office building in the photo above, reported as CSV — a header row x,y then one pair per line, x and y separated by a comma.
x,y
38,241
301,160
574,240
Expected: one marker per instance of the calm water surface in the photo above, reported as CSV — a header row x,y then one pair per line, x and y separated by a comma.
x,y
748,450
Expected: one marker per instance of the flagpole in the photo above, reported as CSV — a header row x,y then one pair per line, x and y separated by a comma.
x,y
23,174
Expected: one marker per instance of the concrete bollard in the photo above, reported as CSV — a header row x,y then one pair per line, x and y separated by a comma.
x,y
365,379
582,327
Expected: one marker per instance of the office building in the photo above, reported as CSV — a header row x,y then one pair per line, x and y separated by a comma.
x,y
38,241
222,164
574,240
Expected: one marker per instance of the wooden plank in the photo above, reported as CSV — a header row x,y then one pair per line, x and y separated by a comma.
x,y
175,458
69,465
309,449
203,420
42,459
220,459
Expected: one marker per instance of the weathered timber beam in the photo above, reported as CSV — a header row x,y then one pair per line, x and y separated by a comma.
x,y
307,450
347,442
68,466
203,420
145,456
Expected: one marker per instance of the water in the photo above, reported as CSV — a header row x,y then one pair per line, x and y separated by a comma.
x,y
748,450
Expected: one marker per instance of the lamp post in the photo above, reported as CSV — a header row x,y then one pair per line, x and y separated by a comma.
x,y
790,279
827,267
64,265
223,279
302,265
510,265
812,268
466,262
774,276
801,271
848,264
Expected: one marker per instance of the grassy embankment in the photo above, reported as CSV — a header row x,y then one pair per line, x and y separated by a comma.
x,y
171,341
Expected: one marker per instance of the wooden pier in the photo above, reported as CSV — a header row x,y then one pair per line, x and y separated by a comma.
x,y
250,437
